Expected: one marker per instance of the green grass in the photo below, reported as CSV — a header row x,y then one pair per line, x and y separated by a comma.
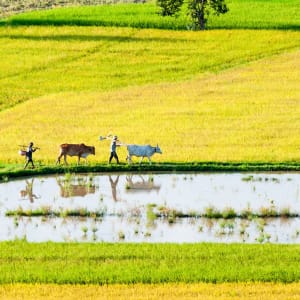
x,y
161,212
120,15
258,14
15,170
147,263
48,212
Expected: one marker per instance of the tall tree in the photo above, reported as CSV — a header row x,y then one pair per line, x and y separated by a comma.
x,y
199,10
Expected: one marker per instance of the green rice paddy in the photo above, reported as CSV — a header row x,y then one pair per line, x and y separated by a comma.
x,y
103,263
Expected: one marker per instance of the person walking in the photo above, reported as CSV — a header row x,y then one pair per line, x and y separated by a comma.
x,y
113,149
28,155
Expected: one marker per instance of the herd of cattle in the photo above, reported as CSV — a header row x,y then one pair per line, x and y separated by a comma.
x,y
83,151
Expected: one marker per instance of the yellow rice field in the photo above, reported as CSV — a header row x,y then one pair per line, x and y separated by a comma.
x,y
248,113
170,291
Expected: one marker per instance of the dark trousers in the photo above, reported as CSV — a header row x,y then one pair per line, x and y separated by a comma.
x,y
113,154
29,160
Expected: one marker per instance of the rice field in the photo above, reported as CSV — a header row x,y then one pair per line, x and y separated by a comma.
x,y
218,96
224,95
250,14
159,263
38,61
168,291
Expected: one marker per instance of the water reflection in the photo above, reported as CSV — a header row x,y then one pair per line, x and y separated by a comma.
x,y
80,189
27,193
114,229
113,184
141,184
131,203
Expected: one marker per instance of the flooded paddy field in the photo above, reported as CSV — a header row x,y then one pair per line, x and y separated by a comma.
x,y
176,208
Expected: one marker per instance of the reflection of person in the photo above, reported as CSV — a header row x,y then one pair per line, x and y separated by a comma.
x,y
29,152
29,191
113,149
114,187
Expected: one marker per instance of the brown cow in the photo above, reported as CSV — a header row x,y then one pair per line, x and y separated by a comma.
x,y
80,150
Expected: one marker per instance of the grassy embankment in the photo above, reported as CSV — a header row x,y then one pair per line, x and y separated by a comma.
x,y
215,96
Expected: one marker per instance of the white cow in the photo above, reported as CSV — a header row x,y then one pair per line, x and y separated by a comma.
x,y
142,151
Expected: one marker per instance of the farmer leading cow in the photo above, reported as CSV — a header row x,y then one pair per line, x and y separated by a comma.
x,y
113,149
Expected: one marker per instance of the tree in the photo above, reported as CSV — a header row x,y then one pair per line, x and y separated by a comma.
x,y
169,7
199,10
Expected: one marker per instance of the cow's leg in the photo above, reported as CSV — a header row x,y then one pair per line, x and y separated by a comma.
x,y
150,162
129,159
65,159
78,161
58,159
141,159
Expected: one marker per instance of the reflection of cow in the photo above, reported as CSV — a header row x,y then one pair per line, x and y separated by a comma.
x,y
80,150
141,185
69,190
142,151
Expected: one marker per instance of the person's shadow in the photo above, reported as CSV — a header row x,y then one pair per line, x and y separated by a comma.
x,y
114,184
28,192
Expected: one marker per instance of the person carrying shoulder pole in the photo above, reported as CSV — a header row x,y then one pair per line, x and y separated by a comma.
x,y
113,149
28,155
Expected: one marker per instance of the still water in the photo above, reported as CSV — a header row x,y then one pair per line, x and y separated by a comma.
x,y
127,201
